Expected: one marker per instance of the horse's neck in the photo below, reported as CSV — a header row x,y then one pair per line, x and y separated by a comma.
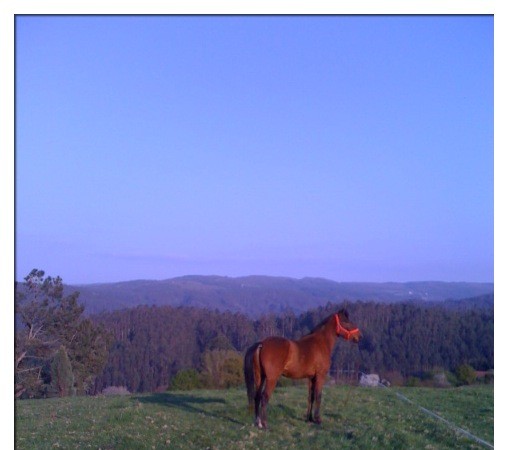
x,y
328,335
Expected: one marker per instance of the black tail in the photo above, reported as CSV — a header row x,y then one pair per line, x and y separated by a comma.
x,y
250,365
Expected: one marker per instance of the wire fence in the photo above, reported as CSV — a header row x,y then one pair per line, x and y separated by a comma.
x,y
436,416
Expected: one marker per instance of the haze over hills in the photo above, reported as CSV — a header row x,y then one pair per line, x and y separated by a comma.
x,y
256,295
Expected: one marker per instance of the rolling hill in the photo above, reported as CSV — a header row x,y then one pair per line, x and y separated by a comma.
x,y
256,295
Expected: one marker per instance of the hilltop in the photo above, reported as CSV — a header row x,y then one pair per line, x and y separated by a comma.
x,y
256,295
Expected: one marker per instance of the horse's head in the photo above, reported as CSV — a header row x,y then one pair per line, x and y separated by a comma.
x,y
345,328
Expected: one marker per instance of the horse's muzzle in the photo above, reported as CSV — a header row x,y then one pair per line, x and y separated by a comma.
x,y
356,337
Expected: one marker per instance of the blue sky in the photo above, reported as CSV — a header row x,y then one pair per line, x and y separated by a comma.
x,y
354,148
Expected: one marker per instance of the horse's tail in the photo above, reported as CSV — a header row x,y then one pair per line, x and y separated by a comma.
x,y
252,372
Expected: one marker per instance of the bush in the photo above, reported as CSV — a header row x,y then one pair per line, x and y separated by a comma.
x,y
62,378
185,380
489,378
465,374
233,371
452,378
222,369
413,382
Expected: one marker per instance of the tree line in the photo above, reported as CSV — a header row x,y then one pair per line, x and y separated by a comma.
x,y
152,344
146,349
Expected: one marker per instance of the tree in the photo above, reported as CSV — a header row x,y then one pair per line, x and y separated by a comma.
x,y
62,378
46,320
153,343
34,341
88,351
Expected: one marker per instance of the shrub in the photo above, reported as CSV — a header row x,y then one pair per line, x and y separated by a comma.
x,y
413,382
222,369
185,380
489,378
62,378
452,378
233,371
465,374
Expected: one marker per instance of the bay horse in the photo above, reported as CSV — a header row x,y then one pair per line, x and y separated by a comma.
x,y
308,357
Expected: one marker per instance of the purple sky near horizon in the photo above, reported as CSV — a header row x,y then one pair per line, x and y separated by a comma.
x,y
354,148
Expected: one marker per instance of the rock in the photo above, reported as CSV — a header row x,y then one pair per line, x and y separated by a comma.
x,y
369,380
440,380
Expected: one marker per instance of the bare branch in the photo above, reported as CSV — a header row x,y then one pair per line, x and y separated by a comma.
x,y
39,368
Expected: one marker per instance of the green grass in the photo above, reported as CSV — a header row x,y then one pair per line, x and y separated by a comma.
x,y
353,417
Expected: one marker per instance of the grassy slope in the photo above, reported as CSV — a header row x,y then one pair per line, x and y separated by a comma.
x,y
359,418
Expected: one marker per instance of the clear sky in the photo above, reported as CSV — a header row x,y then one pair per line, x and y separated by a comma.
x,y
354,148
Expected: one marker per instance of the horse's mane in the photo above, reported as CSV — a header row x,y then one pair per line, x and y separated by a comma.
x,y
321,324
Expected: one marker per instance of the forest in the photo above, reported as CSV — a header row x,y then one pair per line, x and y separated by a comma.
x,y
149,348
151,344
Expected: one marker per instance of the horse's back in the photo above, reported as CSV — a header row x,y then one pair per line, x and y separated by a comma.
x,y
304,358
275,345
273,355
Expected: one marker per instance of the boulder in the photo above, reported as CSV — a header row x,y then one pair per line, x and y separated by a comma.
x,y
371,380
440,380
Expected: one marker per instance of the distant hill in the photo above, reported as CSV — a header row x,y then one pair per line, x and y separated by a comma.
x,y
480,302
256,295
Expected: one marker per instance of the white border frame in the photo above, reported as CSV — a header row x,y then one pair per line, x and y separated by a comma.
x,y
10,8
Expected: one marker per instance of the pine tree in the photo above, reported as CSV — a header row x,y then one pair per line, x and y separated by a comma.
x,y
45,320
62,378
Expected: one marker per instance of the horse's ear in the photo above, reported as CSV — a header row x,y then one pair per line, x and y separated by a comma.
x,y
343,312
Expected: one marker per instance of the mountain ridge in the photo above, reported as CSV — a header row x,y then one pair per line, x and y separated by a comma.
x,y
255,295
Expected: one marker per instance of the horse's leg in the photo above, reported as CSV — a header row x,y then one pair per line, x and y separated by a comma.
x,y
258,401
310,398
318,387
269,387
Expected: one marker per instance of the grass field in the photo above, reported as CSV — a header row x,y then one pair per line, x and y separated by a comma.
x,y
353,417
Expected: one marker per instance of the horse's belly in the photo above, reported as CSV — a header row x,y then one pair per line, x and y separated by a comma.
x,y
298,366
296,374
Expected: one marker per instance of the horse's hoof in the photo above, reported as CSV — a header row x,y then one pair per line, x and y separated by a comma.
x,y
314,421
259,424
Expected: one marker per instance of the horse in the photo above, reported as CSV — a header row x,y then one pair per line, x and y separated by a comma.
x,y
308,357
